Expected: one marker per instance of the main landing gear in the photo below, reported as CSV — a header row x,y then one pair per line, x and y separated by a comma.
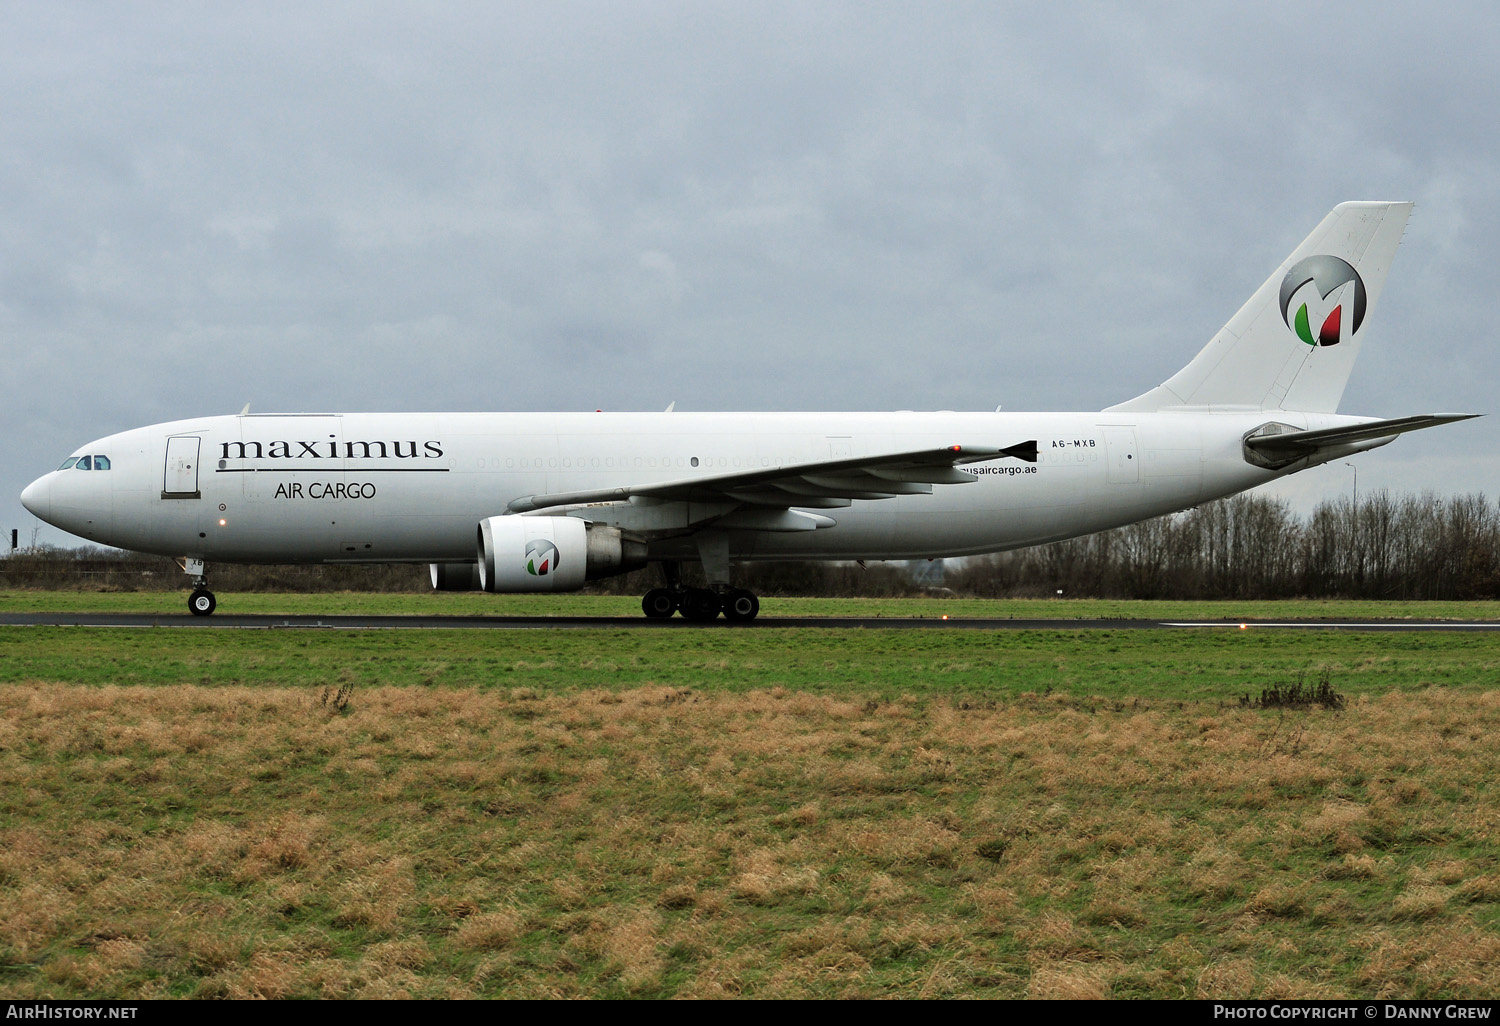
x,y
701,605
201,602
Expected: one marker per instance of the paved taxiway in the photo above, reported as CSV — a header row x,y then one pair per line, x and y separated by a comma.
x,y
272,622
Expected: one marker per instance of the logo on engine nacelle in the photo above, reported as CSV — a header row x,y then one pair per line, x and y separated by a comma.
x,y
541,557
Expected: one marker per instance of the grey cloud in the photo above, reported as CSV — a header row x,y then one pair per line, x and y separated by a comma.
x,y
767,206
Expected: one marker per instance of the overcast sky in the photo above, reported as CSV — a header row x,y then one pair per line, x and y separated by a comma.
x,y
764,206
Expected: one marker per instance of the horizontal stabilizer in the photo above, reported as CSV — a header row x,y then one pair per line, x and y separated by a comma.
x,y
1286,446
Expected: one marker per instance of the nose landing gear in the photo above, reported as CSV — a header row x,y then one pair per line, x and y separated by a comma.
x,y
201,602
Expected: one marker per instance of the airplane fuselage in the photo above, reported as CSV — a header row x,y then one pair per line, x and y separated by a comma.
x,y
411,487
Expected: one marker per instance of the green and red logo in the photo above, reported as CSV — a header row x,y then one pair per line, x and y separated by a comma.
x,y
1326,291
541,557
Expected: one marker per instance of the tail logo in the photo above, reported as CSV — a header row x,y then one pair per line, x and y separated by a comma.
x,y
541,557
1323,290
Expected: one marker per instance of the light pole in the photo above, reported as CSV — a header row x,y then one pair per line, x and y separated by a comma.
x,y
1356,485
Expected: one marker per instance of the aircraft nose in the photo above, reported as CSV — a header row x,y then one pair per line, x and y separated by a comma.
x,y
38,498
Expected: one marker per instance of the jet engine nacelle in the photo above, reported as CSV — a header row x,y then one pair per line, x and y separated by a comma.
x,y
454,576
518,553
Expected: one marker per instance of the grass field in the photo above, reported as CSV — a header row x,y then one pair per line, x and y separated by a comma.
x,y
769,813
1213,666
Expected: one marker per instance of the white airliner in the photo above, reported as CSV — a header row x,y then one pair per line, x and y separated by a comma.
x,y
528,502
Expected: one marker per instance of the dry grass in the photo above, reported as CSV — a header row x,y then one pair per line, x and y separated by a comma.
x,y
657,841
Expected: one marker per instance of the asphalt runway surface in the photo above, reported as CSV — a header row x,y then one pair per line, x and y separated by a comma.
x,y
223,621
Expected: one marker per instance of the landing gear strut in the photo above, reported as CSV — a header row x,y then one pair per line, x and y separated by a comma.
x,y
201,602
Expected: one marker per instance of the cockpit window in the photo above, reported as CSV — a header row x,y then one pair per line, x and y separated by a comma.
x,y
85,463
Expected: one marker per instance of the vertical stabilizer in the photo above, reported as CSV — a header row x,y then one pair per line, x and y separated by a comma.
x,y
1292,346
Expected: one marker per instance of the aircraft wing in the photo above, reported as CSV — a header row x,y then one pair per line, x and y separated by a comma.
x,y
1291,445
825,484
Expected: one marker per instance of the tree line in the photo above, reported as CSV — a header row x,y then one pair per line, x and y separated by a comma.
x,y
1245,547
1250,547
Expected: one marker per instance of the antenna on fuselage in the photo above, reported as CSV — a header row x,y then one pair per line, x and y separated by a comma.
x,y
245,410
670,406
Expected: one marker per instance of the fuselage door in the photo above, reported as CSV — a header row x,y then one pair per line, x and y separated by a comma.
x,y
1124,468
181,476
